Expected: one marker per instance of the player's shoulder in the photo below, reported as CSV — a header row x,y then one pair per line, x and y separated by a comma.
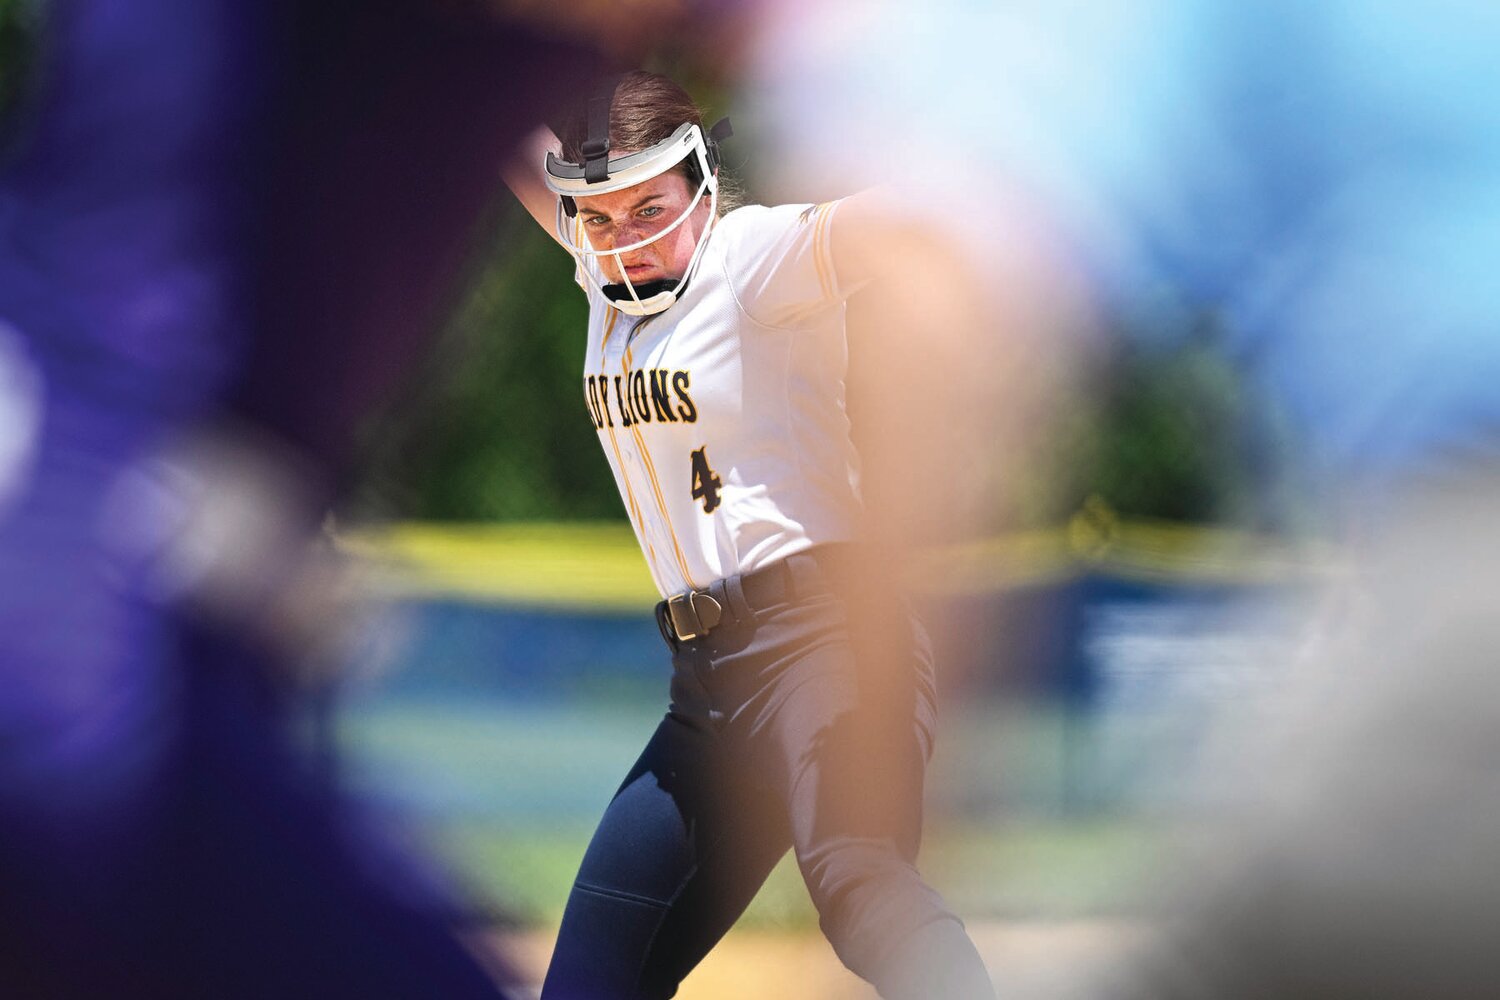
x,y
775,259
753,228
753,218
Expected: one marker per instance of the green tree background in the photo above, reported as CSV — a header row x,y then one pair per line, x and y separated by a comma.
x,y
494,427
20,26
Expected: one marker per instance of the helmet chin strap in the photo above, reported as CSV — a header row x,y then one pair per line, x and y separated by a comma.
x,y
645,291
643,300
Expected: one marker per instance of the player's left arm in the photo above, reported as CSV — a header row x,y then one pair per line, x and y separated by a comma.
x,y
523,174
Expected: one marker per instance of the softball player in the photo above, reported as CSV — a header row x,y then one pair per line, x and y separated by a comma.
x,y
714,376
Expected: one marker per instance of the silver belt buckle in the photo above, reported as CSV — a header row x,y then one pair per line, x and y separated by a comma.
x,y
693,614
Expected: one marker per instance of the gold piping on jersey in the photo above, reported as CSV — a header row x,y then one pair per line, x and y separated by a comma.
x,y
661,503
635,510
821,262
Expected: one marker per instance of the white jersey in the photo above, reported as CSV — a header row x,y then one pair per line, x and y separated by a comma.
x,y
723,416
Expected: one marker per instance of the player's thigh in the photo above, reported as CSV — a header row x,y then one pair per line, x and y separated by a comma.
x,y
752,835
649,836
676,858
852,729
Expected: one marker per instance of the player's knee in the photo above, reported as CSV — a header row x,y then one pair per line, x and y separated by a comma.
x,y
869,898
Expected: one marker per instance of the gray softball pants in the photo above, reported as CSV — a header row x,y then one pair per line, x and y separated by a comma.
x,y
801,721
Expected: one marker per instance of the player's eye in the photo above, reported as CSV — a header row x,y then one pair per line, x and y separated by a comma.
x,y
597,220
651,212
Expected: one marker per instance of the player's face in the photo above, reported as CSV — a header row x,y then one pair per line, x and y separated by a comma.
x,y
637,213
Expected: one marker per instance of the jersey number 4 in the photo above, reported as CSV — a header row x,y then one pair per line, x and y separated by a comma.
x,y
706,483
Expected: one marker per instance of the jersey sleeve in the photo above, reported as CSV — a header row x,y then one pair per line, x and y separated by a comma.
x,y
781,263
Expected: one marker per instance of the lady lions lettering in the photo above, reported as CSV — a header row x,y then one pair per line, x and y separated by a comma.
x,y
640,396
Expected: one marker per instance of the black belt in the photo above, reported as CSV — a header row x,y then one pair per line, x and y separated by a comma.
x,y
695,613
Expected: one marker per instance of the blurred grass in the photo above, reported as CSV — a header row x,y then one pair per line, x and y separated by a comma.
x,y
1057,870
508,793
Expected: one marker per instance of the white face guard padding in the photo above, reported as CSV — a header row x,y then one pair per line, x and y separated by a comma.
x,y
600,174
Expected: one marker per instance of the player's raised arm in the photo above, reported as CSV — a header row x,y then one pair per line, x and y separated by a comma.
x,y
524,176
